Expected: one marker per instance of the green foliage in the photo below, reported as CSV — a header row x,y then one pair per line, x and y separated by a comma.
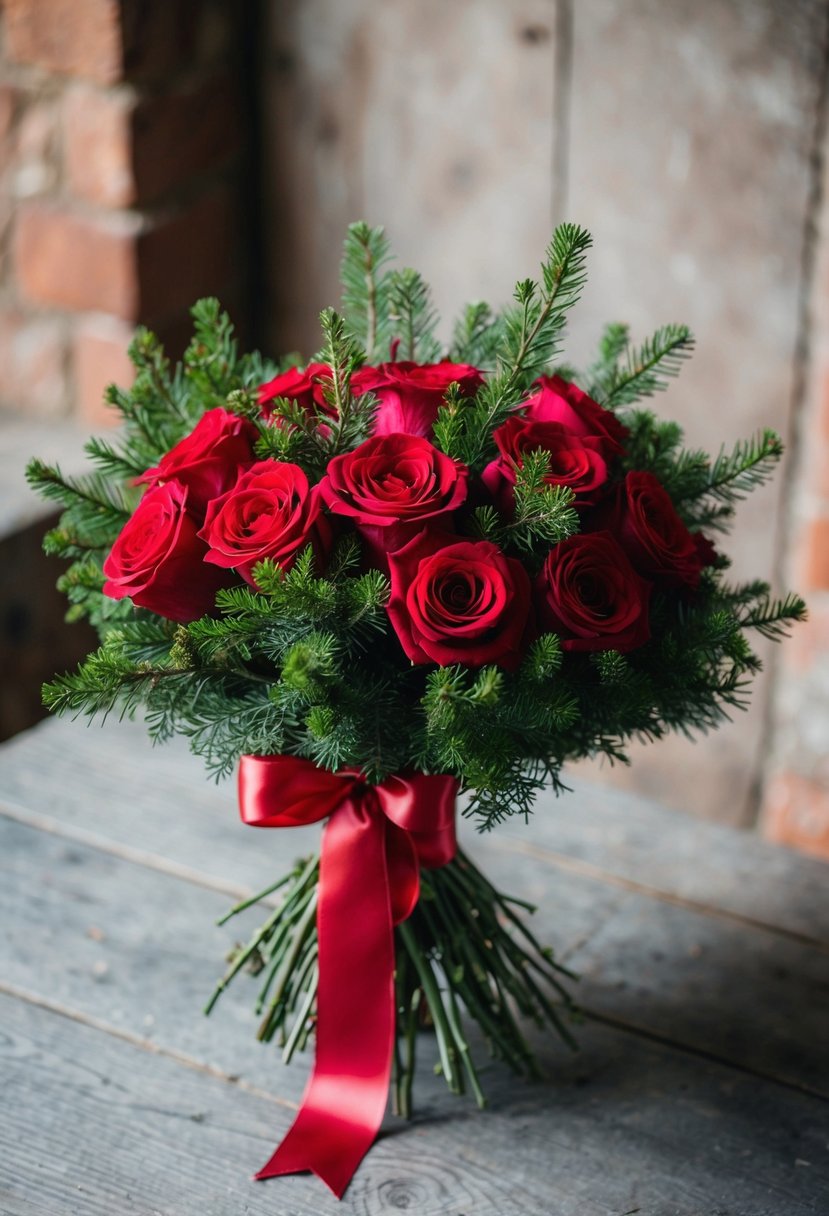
x,y
414,318
476,337
531,332
366,282
306,662
544,514
625,374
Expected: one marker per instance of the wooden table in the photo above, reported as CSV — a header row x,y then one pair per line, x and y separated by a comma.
x,y
700,1088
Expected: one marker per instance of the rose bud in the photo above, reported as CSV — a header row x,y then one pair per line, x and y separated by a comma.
x,y
458,601
644,521
390,486
558,401
576,461
590,595
271,512
410,394
209,459
297,384
158,559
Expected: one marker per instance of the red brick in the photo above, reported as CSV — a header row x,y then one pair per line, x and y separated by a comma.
x,y
99,356
77,263
796,813
183,134
32,361
97,144
192,254
814,547
76,37
36,149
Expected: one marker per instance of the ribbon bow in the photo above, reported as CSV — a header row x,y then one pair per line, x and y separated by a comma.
x,y
375,840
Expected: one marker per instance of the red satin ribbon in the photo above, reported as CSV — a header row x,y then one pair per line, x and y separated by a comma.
x,y
375,840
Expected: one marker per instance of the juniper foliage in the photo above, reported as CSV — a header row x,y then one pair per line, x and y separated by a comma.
x,y
307,663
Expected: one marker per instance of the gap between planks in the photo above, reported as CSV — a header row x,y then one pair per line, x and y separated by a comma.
x,y
540,853
143,1044
187,1061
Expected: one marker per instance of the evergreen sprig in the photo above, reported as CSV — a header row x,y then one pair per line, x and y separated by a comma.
x,y
367,289
306,661
413,316
626,374
531,333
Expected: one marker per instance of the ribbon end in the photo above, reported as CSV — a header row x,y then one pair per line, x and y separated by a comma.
x,y
337,1186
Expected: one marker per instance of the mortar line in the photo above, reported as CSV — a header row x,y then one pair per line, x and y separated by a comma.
x,y
547,856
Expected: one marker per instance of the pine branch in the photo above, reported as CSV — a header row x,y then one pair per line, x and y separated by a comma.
x,y
352,415
96,509
476,336
413,316
773,618
645,371
366,288
532,329
708,499
544,514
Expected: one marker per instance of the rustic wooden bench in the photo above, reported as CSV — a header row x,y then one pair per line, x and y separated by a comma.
x,y
700,1088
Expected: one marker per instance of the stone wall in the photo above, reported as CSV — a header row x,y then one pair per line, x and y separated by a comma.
x,y
689,140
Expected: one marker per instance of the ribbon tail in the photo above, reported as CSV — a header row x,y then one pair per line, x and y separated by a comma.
x,y
346,1097
319,1143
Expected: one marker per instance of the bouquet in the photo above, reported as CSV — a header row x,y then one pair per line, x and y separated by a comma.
x,y
395,575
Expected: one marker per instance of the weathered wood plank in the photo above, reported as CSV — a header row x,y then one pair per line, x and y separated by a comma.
x,y
111,784
136,948
631,838
99,925
92,1125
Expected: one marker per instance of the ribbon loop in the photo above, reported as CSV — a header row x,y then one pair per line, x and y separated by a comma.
x,y
374,842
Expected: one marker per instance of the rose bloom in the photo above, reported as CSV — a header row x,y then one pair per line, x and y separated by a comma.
x,y
556,400
209,459
158,559
303,385
390,486
410,394
644,521
458,601
591,596
271,512
576,461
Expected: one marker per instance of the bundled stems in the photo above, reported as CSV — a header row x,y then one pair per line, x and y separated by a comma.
x,y
465,950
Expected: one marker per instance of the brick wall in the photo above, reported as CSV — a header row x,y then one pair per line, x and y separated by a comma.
x,y
121,165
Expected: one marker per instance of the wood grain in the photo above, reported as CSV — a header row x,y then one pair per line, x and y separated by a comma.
x,y
98,1127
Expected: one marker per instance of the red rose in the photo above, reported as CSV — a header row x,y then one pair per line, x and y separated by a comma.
x,y
575,460
708,555
590,595
558,401
209,459
158,559
271,512
644,521
392,485
411,394
458,601
296,384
